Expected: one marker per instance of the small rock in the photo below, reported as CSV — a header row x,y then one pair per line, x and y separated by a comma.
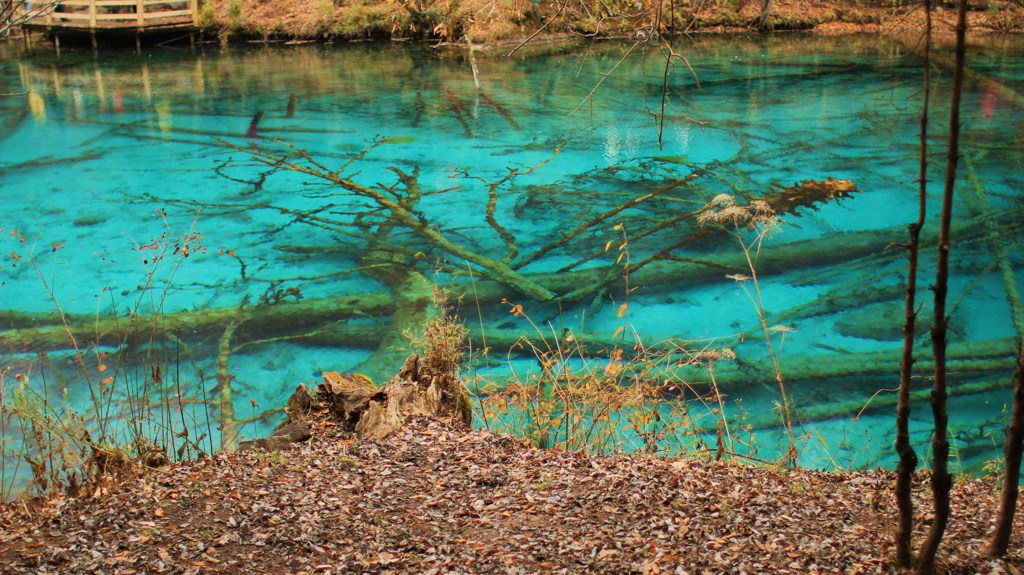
x,y
294,431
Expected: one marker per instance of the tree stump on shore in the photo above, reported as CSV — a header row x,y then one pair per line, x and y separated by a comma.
x,y
375,413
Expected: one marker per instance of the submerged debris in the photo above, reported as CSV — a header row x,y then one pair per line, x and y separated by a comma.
x,y
807,194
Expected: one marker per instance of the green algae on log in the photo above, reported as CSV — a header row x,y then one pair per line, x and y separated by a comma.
x,y
400,213
304,319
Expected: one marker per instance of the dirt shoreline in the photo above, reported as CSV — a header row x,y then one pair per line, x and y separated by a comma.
x,y
436,498
488,22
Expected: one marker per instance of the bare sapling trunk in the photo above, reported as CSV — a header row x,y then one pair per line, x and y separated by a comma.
x,y
907,455
941,479
1012,453
764,19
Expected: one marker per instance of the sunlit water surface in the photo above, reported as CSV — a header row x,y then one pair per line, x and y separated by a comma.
x,y
107,161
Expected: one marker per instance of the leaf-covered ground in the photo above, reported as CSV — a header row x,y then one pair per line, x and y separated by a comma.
x,y
437,499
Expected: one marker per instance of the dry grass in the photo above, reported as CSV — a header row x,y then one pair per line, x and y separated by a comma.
x,y
490,21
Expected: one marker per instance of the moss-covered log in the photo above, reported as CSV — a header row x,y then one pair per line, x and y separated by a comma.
x,y
42,331
323,319
852,409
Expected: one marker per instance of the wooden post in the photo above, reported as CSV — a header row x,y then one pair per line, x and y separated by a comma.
x,y
93,10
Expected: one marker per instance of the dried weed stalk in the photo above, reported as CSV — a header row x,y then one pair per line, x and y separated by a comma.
x,y
752,224
135,412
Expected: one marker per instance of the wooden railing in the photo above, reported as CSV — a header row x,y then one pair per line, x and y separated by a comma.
x,y
120,14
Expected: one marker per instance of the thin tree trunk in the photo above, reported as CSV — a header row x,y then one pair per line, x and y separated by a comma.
x,y
941,479
1012,452
764,19
908,457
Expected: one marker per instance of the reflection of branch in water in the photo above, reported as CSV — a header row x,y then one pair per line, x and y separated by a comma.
x,y
457,110
605,76
501,110
421,108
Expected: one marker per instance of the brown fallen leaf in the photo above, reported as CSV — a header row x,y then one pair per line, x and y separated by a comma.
x,y
650,567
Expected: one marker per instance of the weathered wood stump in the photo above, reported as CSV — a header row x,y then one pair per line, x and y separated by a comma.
x,y
417,390
294,429
345,395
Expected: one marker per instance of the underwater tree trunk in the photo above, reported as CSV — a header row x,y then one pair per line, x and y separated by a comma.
x,y
858,407
1005,92
323,320
1012,454
999,251
908,457
941,479
400,212
412,297
31,331
229,428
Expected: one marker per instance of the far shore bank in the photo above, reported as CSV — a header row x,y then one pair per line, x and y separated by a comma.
x,y
504,27
515,21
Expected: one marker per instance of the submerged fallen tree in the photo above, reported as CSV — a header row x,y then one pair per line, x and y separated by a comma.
x,y
317,319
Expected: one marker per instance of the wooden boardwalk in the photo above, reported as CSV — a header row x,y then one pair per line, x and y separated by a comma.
x,y
107,17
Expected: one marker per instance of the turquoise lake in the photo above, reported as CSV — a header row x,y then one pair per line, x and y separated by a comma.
x,y
314,188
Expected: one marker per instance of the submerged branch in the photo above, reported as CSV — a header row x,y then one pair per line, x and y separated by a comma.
x,y
37,331
591,224
401,213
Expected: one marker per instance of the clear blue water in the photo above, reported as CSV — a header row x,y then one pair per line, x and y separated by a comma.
x,y
100,158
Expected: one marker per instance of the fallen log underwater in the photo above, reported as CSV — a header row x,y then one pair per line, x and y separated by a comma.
x,y
853,409
371,320
970,359
823,386
29,332
817,379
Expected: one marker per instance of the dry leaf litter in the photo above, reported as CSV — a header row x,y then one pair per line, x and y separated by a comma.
x,y
437,499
